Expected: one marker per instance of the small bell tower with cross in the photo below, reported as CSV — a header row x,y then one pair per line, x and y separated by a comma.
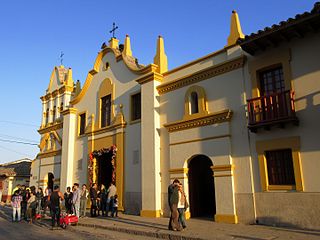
x,y
113,42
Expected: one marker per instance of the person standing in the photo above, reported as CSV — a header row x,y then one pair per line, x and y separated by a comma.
x,y
31,206
39,197
173,199
103,200
182,206
115,206
76,199
68,195
112,191
16,206
93,198
83,200
24,196
54,199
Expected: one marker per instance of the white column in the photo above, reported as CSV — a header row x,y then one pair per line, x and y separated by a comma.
x,y
44,110
150,150
50,110
10,188
58,106
68,142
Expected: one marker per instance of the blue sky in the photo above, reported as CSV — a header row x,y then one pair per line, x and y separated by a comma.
x,y
34,32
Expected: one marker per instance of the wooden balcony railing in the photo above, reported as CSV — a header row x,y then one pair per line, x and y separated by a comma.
x,y
277,108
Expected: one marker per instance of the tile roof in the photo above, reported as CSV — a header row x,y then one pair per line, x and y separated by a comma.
x,y
283,31
17,168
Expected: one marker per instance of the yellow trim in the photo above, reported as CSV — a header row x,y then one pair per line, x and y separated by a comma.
x,y
79,123
268,61
152,76
200,139
275,144
178,170
221,168
186,65
201,75
137,69
69,111
202,102
50,128
225,218
150,213
119,140
49,154
213,118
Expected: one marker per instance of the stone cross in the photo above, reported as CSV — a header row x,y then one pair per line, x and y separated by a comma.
x,y
114,28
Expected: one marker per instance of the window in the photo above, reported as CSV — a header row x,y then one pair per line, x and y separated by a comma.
x,y
194,103
136,107
280,167
47,116
106,110
54,114
82,123
61,106
271,81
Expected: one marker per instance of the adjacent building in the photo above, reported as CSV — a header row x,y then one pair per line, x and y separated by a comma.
x,y
238,127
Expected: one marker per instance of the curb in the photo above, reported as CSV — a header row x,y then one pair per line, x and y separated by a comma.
x,y
141,232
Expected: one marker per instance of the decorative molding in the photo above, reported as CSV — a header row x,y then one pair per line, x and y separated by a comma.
x,y
200,139
49,154
152,76
218,117
178,170
107,129
69,111
202,75
50,164
222,168
51,128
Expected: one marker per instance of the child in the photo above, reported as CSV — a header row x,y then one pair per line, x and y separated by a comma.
x,y
115,206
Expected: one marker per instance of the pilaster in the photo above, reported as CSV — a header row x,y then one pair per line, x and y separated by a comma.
x,y
68,142
150,150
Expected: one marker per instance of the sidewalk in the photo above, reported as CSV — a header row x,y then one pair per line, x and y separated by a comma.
x,y
197,229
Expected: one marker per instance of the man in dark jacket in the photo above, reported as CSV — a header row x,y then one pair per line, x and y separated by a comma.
x,y
93,197
173,199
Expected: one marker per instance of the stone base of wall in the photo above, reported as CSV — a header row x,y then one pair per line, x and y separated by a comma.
x,y
133,203
245,208
288,209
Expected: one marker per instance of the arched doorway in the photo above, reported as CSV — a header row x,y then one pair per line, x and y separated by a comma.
x,y
50,180
201,187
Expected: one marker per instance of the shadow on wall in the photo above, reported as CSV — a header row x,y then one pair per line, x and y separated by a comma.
x,y
276,222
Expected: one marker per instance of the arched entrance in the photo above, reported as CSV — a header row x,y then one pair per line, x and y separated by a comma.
x,y
201,187
50,180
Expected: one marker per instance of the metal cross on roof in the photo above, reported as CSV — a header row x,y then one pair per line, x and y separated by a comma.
x,y
114,28
61,57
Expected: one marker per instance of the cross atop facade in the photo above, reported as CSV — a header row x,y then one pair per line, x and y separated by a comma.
x,y
61,57
114,28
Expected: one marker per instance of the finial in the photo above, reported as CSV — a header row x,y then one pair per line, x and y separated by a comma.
x,y
161,58
127,46
235,29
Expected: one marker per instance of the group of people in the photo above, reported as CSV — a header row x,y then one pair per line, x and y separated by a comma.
x,y
104,200
25,202
178,205
28,202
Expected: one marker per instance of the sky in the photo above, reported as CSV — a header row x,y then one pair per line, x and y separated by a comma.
x,y
33,33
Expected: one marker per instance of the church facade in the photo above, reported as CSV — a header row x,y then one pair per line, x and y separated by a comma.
x,y
238,127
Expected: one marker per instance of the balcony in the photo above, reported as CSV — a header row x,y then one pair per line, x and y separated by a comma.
x,y
274,109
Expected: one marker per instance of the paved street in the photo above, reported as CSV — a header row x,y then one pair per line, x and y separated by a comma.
x,y
134,227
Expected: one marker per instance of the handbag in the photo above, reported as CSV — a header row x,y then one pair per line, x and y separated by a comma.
x,y
33,205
